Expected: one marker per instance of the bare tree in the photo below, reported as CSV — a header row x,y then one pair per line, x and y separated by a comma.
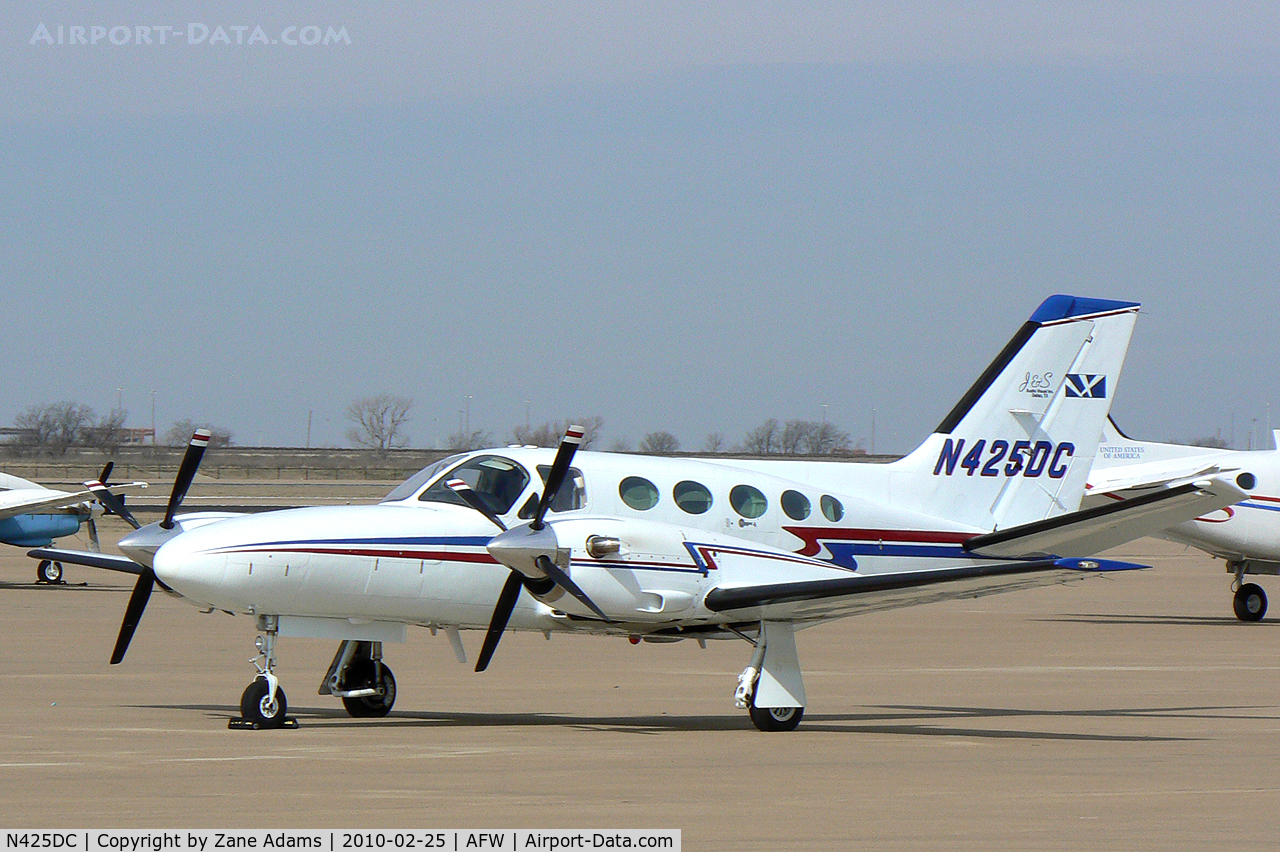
x,y
549,434
714,443
763,439
656,443
379,422
824,439
53,427
180,433
794,435
797,437
107,433
463,441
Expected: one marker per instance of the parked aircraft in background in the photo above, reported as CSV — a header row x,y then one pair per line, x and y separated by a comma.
x,y
665,549
33,516
1246,535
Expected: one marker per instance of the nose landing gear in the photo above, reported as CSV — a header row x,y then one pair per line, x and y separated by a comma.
x,y
263,703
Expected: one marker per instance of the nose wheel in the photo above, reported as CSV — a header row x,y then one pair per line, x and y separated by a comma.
x,y
263,703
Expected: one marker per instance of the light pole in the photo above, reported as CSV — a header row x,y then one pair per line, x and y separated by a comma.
x,y
153,418
468,417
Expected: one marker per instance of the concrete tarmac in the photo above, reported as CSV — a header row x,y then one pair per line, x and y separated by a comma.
x,y
1123,712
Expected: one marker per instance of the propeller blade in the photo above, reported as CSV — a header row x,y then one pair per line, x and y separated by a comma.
x,y
473,500
501,615
559,468
133,613
106,472
112,502
561,579
94,544
186,473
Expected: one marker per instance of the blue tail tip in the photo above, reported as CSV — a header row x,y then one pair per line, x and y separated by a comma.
x,y
1062,307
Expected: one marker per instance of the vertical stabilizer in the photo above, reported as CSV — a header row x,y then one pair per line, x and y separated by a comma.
x,y
1018,446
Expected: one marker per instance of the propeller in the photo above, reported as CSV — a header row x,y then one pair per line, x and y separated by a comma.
x,y
551,574
147,576
133,613
186,473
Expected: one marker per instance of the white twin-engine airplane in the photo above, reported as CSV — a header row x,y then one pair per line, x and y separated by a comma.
x,y
1246,535
664,549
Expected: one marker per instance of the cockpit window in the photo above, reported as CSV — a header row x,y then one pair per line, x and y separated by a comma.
x,y
495,480
410,486
572,494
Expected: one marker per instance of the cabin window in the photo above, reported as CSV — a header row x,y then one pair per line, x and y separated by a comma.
x,y
638,493
692,497
495,480
748,501
832,509
796,505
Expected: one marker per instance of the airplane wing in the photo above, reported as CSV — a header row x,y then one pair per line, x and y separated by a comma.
x,y
26,501
1094,530
1146,476
860,594
83,557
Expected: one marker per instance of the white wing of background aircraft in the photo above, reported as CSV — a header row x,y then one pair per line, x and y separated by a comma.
x,y
1246,535
33,516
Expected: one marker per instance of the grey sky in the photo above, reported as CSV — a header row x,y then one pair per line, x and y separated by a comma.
x,y
677,217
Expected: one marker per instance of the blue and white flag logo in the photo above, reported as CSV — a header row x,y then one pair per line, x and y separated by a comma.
x,y
1087,385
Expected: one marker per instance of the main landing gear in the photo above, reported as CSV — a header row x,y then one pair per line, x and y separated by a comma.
x,y
771,688
1250,601
358,676
49,572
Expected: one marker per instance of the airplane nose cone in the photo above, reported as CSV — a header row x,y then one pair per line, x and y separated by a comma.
x,y
189,571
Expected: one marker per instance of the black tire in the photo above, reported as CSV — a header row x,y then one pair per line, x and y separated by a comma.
x,y
1250,602
49,572
361,675
254,707
776,718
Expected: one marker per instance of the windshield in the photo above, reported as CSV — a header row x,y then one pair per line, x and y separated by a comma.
x,y
497,481
410,486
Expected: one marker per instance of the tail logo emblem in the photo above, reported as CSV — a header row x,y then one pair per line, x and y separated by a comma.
x,y
1086,385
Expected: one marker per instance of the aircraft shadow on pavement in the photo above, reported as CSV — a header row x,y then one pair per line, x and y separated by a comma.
x,y
907,720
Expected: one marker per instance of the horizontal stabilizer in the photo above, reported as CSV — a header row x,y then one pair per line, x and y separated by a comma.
x,y
1094,530
93,560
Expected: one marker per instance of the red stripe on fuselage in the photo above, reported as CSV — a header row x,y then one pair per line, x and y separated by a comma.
x,y
813,536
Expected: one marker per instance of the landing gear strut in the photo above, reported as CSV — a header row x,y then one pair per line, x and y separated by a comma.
x,y
263,704
770,688
358,676
1250,602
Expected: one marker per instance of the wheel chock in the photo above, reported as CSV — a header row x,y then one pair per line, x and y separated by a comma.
x,y
242,724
